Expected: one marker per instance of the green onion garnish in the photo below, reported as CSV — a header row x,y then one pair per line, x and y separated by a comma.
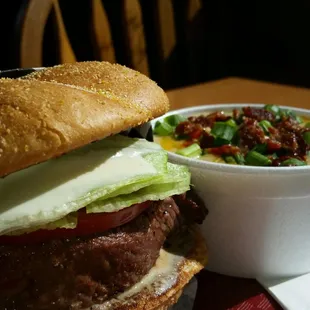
x,y
265,125
291,114
220,142
306,136
231,122
229,160
293,162
163,129
274,155
260,148
223,131
256,159
272,108
193,150
239,159
174,120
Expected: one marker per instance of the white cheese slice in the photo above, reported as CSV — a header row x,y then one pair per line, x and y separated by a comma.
x,y
49,191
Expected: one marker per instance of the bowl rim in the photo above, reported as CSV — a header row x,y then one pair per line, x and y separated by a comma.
x,y
223,167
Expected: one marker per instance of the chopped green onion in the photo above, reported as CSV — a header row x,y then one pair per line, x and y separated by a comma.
x,y
256,159
231,122
239,159
293,162
223,131
291,114
236,139
306,136
286,112
193,150
265,125
307,125
220,142
260,148
274,156
229,160
163,129
272,108
174,120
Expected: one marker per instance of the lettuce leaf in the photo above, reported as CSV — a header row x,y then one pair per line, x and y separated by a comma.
x,y
176,181
104,176
68,222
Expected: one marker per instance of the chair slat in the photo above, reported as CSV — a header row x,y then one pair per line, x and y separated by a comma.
x,y
151,36
32,32
65,49
193,8
101,33
166,26
133,26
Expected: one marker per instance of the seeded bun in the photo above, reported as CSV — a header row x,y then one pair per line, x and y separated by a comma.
x,y
41,120
112,80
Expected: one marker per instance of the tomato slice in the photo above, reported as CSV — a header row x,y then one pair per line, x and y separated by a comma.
x,y
87,224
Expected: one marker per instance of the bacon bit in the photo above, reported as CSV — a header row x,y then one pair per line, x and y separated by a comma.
x,y
236,114
303,147
274,133
188,143
209,120
273,146
289,141
251,134
289,134
224,150
207,140
289,124
258,114
196,134
193,131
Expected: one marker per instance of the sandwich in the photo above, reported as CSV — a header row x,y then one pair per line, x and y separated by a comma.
x,y
92,214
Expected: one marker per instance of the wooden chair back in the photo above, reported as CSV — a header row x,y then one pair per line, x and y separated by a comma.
x,y
147,35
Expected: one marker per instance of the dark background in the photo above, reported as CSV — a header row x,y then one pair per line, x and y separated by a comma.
x,y
265,40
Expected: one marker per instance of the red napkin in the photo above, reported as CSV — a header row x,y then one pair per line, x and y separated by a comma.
x,y
218,292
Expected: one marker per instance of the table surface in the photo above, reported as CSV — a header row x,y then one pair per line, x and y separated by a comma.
x,y
215,291
237,90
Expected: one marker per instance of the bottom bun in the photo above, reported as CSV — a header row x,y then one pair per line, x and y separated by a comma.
x,y
163,285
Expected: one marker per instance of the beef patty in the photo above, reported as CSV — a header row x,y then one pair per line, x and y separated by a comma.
x,y
76,273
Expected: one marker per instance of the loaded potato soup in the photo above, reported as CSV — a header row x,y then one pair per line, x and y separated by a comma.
x,y
267,136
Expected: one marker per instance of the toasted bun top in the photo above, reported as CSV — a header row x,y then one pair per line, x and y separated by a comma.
x,y
112,80
41,120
